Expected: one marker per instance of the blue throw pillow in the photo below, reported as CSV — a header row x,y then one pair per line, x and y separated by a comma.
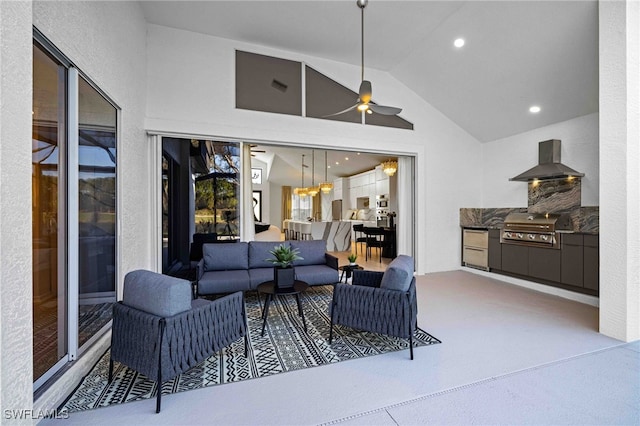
x,y
399,274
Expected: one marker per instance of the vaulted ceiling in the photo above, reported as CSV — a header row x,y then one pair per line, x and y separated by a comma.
x,y
517,53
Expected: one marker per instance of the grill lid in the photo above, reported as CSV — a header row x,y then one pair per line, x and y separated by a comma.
x,y
549,222
549,165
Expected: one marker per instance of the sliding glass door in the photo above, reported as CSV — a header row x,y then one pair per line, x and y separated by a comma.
x,y
74,155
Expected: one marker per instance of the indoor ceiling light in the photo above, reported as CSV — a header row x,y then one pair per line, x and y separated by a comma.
x,y
459,42
534,109
390,167
326,186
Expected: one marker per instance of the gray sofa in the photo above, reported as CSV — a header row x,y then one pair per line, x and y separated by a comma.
x,y
226,268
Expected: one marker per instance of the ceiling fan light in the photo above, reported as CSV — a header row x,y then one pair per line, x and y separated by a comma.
x,y
363,107
326,187
390,167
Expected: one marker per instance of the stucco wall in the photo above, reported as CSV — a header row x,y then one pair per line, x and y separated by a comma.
x,y
191,89
16,365
505,158
107,41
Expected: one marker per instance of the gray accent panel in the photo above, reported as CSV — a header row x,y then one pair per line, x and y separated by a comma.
x,y
324,97
265,83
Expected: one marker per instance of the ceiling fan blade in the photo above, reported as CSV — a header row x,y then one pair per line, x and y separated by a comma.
x,y
342,112
385,110
365,91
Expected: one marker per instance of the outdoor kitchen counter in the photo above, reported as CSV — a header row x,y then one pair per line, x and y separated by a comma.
x,y
585,220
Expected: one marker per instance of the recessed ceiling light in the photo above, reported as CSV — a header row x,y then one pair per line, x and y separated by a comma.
x,y
534,109
337,164
358,153
328,167
459,42
346,158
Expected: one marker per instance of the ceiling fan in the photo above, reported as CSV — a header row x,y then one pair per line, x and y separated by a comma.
x,y
253,151
364,93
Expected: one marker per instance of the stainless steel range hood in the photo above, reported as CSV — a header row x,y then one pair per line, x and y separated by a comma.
x,y
549,165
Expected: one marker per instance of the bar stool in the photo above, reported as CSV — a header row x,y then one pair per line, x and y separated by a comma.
x,y
296,231
305,231
285,228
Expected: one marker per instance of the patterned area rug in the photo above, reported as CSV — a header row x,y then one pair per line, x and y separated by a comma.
x,y
284,347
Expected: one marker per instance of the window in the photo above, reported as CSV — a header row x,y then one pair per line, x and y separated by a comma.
x,y
74,153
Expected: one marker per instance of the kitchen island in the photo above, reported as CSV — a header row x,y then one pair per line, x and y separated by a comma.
x,y
337,234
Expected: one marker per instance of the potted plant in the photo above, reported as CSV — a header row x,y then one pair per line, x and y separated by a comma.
x,y
283,258
352,259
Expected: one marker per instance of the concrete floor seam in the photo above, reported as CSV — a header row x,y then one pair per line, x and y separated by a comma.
x,y
472,384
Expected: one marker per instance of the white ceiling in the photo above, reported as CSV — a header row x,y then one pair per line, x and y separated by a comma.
x,y
517,53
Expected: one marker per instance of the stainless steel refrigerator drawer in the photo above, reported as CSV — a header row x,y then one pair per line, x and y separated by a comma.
x,y
478,257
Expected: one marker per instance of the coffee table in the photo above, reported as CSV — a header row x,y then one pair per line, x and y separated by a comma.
x,y
269,289
347,270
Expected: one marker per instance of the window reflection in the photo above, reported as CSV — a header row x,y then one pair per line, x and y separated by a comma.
x,y
97,210
48,139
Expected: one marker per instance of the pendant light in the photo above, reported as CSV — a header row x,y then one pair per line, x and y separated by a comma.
x,y
326,186
301,191
390,167
313,189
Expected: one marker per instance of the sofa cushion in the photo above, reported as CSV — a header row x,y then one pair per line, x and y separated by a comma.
x,y
156,294
224,257
259,275
259,253
217,282
311,251
317,274
399,274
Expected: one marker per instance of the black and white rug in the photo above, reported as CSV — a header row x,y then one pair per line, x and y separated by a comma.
x,y
284,347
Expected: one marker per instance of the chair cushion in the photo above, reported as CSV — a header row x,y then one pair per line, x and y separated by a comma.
x,y
224,257
156,294
317,274
312,252
399,274
259,275
259,253
217,282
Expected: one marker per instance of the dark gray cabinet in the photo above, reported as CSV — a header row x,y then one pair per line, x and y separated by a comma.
x,y
572,259
495,250
575,266
515,259
591,262
544,263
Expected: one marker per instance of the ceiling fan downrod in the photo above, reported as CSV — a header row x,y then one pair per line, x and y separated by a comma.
x,y
362,4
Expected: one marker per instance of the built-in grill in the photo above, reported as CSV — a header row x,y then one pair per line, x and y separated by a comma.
x,y
534,229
